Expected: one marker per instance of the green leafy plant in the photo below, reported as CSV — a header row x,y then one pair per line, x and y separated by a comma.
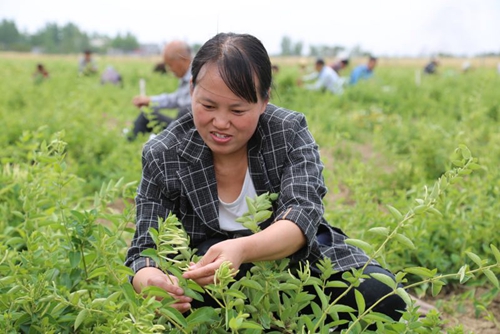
x,y
66,221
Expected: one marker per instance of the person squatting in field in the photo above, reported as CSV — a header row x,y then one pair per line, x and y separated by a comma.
x,y
363,71
40,73
324,78
111,76
177,57
232,145
87,65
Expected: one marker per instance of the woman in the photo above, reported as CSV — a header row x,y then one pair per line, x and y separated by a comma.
x,y
233,145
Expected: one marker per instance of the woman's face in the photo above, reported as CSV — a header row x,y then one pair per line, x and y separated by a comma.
x,y
225,121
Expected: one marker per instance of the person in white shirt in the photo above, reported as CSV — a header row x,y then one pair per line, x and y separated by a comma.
x,y
324,77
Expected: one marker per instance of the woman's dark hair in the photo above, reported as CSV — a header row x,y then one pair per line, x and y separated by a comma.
x,y
241,59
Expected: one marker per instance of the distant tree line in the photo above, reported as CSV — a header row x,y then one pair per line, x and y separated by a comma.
x,y
62,39
291,48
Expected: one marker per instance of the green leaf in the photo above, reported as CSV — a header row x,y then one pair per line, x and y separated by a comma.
x,y
151,253
126,271
154,235
387,280
152,290
195,286
250,325
404,240
435,211
98,272
461,272
474,258
421,271
360,301
366,247
288,286
405,296
80,317
321,295
435,191
474,166
202,315
338,308
383,231
456,180
495,252
436,287
307,321
262,215
251,284
376,316
4,281
395,213
466,154
420,209
80,217
129,292
174,315
236,294
74,258
336,284
491,276
193,294
251,206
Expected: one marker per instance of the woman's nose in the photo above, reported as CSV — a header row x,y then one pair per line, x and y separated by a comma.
x,y
221,120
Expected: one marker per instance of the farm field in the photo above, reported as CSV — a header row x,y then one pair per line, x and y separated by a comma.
x,y
420,159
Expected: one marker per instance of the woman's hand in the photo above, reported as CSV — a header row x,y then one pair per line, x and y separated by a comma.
x,y
278,241
150,276
230,250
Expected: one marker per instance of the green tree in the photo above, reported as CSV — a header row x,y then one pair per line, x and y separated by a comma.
x,y
9,35
72,39
286,46
126,43
48,38
297,49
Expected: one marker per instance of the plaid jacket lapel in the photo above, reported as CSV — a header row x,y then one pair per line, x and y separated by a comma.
x,y
198,180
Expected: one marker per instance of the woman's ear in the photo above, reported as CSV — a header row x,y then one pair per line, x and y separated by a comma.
x,y
191,86
268,96
266,101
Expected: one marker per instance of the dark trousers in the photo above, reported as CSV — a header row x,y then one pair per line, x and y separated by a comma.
x,y
142,121
371,289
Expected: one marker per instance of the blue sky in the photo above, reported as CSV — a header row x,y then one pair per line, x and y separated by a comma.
x,y
390,27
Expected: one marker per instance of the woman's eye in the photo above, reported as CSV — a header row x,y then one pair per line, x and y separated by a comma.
x,y
206,106
239,112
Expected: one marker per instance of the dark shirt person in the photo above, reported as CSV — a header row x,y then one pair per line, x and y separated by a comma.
x,y
431,67
40,73
177,57
232,145
340,65
160,68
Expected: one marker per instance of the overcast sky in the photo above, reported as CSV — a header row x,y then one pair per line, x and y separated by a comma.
x,y
390,27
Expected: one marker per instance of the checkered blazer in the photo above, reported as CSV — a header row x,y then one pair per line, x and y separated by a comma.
x,y
178,176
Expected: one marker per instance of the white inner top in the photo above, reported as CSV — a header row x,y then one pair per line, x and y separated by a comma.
x,y
228,212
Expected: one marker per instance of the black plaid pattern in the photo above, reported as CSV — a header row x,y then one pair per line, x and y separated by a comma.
x,y
178,176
